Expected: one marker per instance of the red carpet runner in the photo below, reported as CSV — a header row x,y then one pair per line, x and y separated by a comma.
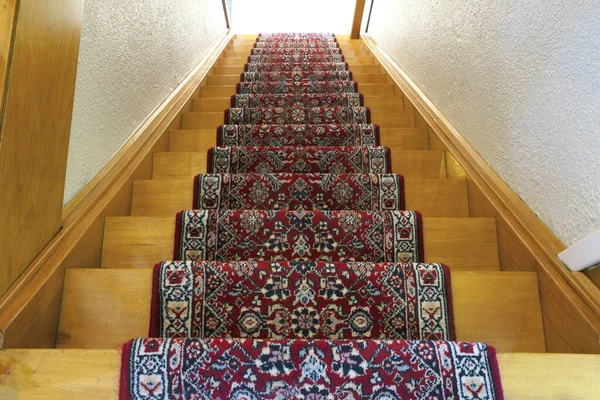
x,y
301,252
308,369
369,192
301,300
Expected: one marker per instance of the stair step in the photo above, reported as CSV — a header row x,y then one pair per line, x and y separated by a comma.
x,y
240,62
374,103
94,374
249,44
224,80
432,197
245,52
395,138
424,164
367,89
103,308
384,118
461,243
358,69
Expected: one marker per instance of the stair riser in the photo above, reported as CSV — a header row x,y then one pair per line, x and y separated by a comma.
x,y
369,89
224,80
357,69
240,62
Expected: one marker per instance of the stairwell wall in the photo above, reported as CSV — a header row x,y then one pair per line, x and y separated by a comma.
x,y
520,81
132,56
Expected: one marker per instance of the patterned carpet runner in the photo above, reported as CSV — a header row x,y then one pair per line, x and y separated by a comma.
x,y
308,369
299,274
369,192
301,300
298,135
259,235
311,159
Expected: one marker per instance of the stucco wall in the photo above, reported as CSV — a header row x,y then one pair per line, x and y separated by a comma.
x,y
521,81
133,54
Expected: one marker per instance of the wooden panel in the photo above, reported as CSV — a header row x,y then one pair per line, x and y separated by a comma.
x,y
219,92
196,141
94,374
594,275
437,197
424,164
462,243
359,10
36,128
404,138
211,105
500,308
377,89
525,243
29,310
7,16
432,197
393,119
207,120
186,165
103,308
384,102
465,243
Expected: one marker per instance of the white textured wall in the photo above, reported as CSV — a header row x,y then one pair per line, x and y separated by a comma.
x,y
521,81
133,54
253,16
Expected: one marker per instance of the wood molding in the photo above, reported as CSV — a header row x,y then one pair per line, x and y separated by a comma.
x,y
570,301
29,309
226,11
359,10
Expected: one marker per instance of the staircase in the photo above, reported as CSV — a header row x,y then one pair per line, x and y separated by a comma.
x,y
102,308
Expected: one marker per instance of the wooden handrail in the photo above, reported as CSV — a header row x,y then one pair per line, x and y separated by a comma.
x,y
357,21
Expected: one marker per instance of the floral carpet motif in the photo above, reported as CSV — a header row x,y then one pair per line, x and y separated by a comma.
x,y
295,36
297,87
296,51
369,192
296,76
296,101
306,67
314,300
308,369
311,159
261,235
283,116
297,44
298,135
297,57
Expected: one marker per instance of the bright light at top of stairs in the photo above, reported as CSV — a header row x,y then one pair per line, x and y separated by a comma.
x,y
251,16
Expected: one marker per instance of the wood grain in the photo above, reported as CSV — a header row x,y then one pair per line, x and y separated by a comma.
x,y
103,308
7,19
94,374
29,310
359,10
570,308
423,164
36,128
432,197
461,243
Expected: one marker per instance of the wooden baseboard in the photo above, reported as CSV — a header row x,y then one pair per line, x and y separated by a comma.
x,y
570,301
29,310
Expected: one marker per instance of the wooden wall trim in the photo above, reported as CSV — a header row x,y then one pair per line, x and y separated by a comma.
x,y
226,11
359,10
29,309
572,292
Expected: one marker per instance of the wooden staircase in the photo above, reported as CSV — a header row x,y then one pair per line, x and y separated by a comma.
x,y
104,307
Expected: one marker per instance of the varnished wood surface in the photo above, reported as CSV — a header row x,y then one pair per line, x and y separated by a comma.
x,y
36,128
359,10
7,18
571,308
461,243
103,308
94,374
432,197
29,311
423,164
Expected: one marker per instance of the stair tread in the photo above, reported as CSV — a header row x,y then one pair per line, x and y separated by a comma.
x,y
102,308
367,89
425,164
232,62
222,80
236,70
197,140
432,197
460,243
84,374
